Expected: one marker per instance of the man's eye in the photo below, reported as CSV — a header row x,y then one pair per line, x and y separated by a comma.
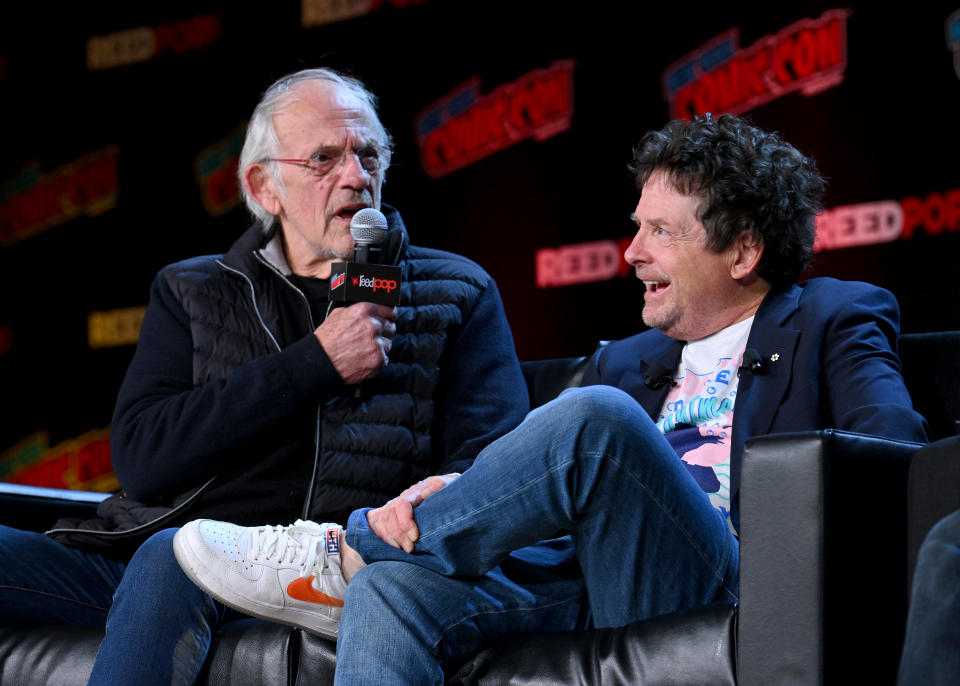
x,y
322,158
369,159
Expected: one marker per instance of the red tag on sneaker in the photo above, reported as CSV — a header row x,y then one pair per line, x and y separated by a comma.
x,y
333,541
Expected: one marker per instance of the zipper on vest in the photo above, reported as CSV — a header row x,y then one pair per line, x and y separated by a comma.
x,y
253,298
306,303
316,465
316,429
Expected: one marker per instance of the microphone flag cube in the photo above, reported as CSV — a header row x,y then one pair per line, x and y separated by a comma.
x,y
372,283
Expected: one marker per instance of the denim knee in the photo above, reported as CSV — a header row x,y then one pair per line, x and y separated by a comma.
x,y
156,553
946,532
155,565
938,562
13,540
608,420
601,401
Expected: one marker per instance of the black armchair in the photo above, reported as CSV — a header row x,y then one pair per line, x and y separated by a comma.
x,y
825,554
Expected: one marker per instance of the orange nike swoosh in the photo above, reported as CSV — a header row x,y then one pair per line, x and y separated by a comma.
x,y
302,589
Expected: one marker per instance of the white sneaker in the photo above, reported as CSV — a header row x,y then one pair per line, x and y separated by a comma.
x,y
288,574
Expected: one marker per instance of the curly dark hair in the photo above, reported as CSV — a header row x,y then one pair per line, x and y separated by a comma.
x,y
749,180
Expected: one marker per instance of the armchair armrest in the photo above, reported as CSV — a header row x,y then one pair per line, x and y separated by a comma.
x,y
34,508
823,570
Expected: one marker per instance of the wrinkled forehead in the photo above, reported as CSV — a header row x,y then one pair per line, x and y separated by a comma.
x,y
662,182
320,110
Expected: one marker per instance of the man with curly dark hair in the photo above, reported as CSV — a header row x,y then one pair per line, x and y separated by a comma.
x,y
642,465
749,181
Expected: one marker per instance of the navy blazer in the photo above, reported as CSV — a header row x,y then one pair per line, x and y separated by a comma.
x,y
828,351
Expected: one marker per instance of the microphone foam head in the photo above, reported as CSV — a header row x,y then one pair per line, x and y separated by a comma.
x,y
368,226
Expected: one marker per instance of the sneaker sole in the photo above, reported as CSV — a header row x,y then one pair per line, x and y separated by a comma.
x,y
213,585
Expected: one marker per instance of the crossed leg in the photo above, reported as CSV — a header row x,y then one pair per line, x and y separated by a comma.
x,y
592,463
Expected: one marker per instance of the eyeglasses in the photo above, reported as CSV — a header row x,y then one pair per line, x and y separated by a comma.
x,y
328,159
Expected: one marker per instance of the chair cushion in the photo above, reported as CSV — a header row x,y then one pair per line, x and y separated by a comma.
x,y
244,652
691,647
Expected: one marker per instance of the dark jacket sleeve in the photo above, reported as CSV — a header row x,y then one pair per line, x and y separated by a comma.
x,y
484,395
167,434
861,370
591,371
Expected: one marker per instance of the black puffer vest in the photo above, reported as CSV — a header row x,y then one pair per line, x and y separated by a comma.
x,y
367,445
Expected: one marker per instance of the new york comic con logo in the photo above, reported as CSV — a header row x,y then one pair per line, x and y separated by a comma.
x,y
809,56
465,126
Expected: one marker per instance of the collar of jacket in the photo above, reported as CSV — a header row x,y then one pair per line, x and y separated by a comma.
x,y
269,245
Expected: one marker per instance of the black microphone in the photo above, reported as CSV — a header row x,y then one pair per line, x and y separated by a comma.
x,y
364,279
657,377
368,227
752,362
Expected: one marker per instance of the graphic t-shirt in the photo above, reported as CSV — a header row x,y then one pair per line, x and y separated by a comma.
x,y
697,416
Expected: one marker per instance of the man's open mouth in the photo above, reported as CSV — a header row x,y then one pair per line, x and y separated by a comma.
x,y
346,213
656,286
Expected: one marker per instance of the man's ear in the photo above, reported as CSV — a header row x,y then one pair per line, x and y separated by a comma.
x,y
745,254
261,187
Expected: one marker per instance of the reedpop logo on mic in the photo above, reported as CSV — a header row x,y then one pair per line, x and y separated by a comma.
x,y
370,282
377,283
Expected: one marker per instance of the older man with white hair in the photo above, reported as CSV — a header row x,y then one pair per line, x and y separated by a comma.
x,y
251,399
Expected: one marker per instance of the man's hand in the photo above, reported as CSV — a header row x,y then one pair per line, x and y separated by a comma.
x,y
393,522
357,339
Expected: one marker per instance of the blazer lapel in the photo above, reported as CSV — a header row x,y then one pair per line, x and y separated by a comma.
x,y
759,395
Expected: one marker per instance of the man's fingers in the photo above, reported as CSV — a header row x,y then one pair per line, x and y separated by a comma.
x,y
434,484
378,527
382,311
357,339
393,523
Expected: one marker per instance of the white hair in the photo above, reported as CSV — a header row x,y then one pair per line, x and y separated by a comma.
x,y
261,142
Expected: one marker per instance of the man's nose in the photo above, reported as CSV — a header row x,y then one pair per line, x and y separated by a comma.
x,y
636,253
352,173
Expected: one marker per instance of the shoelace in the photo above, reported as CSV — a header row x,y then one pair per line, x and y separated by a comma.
x,y
300,544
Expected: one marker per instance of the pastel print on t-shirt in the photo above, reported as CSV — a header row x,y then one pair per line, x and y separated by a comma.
x,y
696,421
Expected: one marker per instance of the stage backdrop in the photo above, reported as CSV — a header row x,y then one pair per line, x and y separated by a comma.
x,y
513,121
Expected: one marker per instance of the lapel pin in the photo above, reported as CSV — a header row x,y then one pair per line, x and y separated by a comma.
x,y
775,357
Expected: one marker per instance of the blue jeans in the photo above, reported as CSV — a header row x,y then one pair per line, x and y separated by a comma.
x,y
158,623
643,540
931,649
